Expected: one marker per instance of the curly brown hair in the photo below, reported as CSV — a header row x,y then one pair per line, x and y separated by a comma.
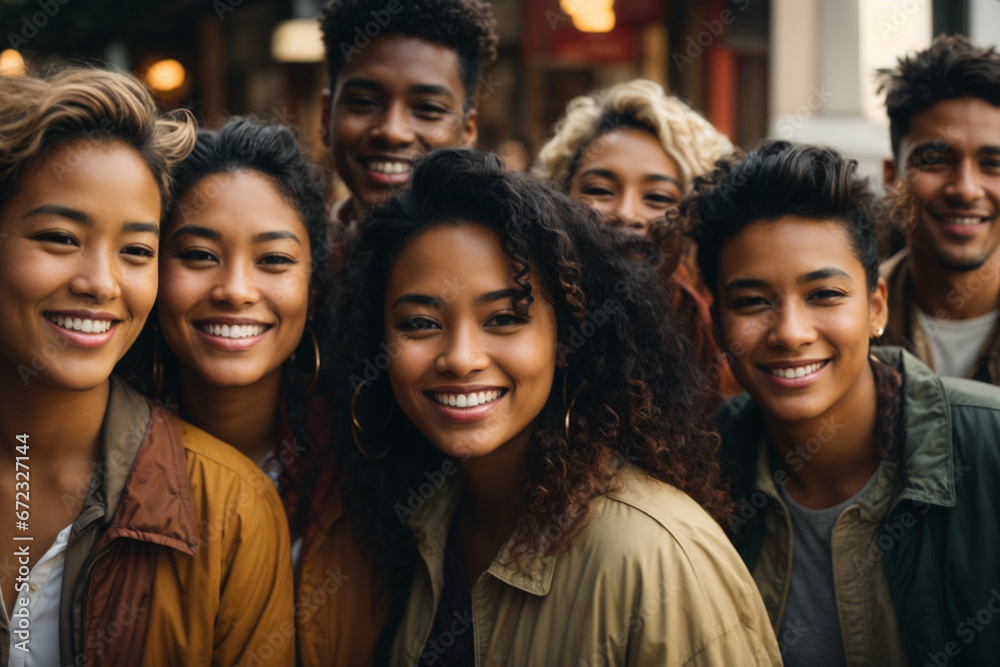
x,y
638,394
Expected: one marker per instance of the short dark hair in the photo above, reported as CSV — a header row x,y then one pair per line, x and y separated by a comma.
x,y
776,179
950,68
465,26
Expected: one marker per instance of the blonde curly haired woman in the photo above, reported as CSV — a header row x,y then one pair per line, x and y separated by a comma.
x,y
632,152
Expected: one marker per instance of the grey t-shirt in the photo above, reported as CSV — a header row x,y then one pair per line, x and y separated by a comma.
x,y
810,628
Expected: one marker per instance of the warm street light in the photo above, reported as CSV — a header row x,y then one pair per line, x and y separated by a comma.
x,y
11,63
297,41
590,15
165,75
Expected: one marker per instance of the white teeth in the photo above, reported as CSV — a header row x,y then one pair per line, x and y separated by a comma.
x,y
234,331
801,371
467,400
389,167
79,324
962,221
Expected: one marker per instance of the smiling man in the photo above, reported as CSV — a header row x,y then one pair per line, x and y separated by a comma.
x,y
944,287
403,79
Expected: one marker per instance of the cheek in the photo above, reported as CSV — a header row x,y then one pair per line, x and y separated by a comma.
x,y
181,289
139,286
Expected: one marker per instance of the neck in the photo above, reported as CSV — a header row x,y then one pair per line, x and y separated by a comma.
x,y
957,295
355,212
829,459
244,417
488,506
63,427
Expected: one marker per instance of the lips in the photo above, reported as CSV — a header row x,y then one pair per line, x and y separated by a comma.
x,y
794,374
465,404
387,170
83,328
231,334
962,223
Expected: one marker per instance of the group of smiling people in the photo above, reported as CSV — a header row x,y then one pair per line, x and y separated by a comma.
x,y
473,424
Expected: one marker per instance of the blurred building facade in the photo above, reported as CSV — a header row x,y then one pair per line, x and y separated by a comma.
x,y
795,69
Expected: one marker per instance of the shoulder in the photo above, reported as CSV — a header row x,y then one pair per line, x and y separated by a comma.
x,y
219,473
975,423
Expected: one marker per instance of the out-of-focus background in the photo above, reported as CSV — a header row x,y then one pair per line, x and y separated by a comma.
x,y
794,69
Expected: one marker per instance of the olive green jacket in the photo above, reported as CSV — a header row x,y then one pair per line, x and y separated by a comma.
x,y
651,580
916,559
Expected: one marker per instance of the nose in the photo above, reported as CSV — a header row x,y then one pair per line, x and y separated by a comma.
x,y
627,207
463,353
98,276
964,185
394,127
791,327
236,286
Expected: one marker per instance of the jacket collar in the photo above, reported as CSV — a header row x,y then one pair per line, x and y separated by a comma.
x,y
429,524
927,457
141,488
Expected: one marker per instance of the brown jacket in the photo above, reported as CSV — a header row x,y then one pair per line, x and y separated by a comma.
x,y
180,555
904,330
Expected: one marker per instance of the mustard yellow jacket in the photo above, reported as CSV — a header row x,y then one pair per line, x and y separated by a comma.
x,y
651,580
180,555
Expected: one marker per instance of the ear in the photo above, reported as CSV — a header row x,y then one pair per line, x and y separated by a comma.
x,y
325,106
888,174
878,308
470,129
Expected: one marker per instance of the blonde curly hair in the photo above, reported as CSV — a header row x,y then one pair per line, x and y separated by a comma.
x,y
41,114
684,133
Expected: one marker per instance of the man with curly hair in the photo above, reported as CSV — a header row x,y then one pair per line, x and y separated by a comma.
x,y
403,78
944,288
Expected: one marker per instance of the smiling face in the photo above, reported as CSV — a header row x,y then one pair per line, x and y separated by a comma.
x,y
950,160
392,103
234,279
470,374
77,265
627,176
804,322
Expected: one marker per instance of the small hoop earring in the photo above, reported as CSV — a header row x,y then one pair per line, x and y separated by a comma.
x,y
319,363
572,401
356,426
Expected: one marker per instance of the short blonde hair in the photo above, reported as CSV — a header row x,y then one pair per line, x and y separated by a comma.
x,y
41,114
684,133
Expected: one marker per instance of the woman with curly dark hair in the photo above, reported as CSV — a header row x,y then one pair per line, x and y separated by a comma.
x,y
243,280
532,462
866,484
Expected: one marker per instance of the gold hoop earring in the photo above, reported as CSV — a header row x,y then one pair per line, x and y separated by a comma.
x,y
319,363
572,401
356,426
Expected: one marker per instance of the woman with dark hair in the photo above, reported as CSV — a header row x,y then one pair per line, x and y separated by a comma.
x,y
135,532
243,277
631,151
866,485
532,471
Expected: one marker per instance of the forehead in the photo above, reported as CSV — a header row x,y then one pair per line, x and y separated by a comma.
x,y
398,62
240,202
104,180
631,148
452,260
786,248
968,122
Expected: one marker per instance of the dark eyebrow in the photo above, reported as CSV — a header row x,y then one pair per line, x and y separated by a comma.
x,y
361,82
497,295
263,237
612,176
419,300
823,274
195,230
431,89
61,211
141,227
990,150
745,283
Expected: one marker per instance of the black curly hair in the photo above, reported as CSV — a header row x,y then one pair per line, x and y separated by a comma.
x,y
465,26
638,393
776,179
950,68
272,150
